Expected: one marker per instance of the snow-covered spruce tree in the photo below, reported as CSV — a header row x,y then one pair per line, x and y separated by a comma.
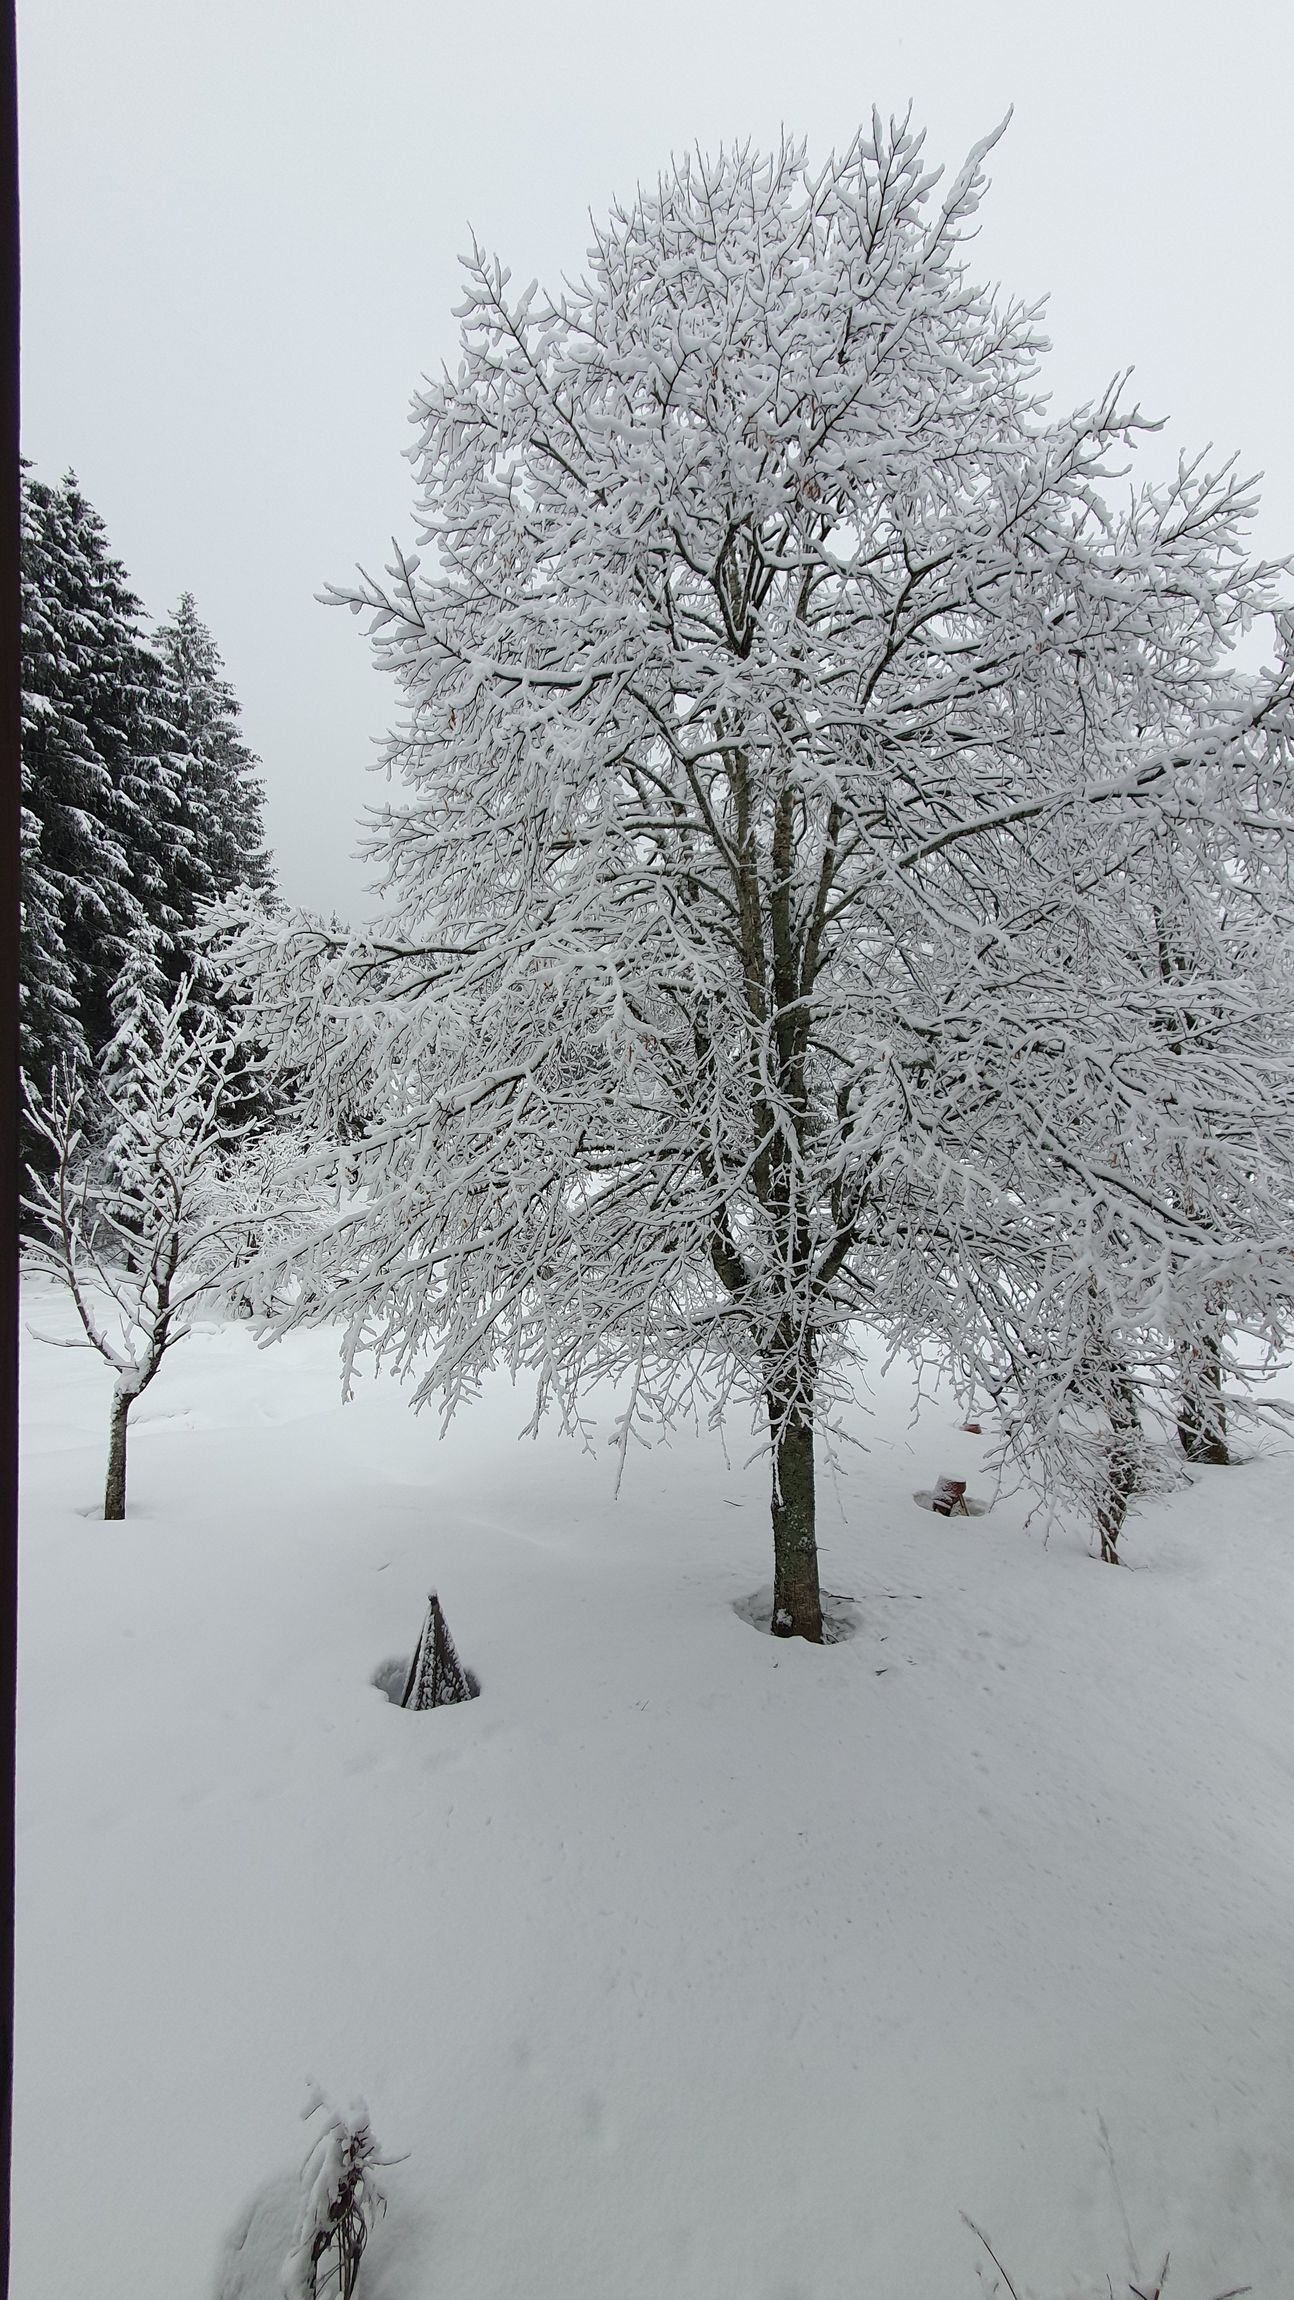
x,y
101,779
783,713
141,803
223,793
223,850
78,905
127,1204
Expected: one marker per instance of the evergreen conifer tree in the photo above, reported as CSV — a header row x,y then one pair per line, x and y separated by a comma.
x,y
141,801
222,794
78,905
101,775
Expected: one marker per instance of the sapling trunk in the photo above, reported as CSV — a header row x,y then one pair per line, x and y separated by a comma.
x,y
114,1498
797,1598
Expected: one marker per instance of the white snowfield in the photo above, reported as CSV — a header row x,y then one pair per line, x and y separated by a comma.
x,y
684,1964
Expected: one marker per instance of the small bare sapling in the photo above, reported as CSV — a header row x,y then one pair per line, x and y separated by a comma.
x,y
122,1204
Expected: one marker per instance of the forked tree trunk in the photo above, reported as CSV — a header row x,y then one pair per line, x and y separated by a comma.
x,y
797,1598
1202,1413
114,1498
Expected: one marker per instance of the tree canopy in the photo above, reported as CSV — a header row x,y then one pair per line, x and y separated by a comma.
x,y
793,736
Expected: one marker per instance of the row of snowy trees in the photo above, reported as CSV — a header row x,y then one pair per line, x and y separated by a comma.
x,y
141,801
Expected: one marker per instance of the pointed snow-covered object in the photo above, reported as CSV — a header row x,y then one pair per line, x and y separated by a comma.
x,y
436,1675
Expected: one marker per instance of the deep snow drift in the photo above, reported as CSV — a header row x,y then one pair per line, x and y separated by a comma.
x,y
683,1964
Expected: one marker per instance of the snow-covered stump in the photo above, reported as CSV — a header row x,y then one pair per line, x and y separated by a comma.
x,y
436,1675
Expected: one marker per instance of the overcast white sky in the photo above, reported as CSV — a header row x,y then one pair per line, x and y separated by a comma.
x,y
242,221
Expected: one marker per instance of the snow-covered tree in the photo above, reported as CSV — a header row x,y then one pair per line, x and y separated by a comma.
x,y
222,792
100,772
78,903
1141,1233
785,716
140,802
127,1205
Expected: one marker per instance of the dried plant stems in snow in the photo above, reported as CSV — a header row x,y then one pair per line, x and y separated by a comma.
x,y
785,719
340,2203
1150,2290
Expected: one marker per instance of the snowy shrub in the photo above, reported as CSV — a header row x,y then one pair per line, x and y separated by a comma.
x,y
340,2203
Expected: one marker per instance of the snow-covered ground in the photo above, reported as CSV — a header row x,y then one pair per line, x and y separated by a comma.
x,y
683,1964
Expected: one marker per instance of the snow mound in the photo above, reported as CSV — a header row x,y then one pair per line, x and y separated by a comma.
x,y
969,1505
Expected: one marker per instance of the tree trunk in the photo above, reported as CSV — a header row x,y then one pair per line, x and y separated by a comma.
x,y
1202,1414
114,1499
797,1599
1120,1481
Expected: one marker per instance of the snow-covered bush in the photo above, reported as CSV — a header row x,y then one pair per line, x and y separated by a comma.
x,y
340,2202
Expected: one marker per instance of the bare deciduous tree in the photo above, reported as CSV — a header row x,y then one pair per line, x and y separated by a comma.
x,y
127,1213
